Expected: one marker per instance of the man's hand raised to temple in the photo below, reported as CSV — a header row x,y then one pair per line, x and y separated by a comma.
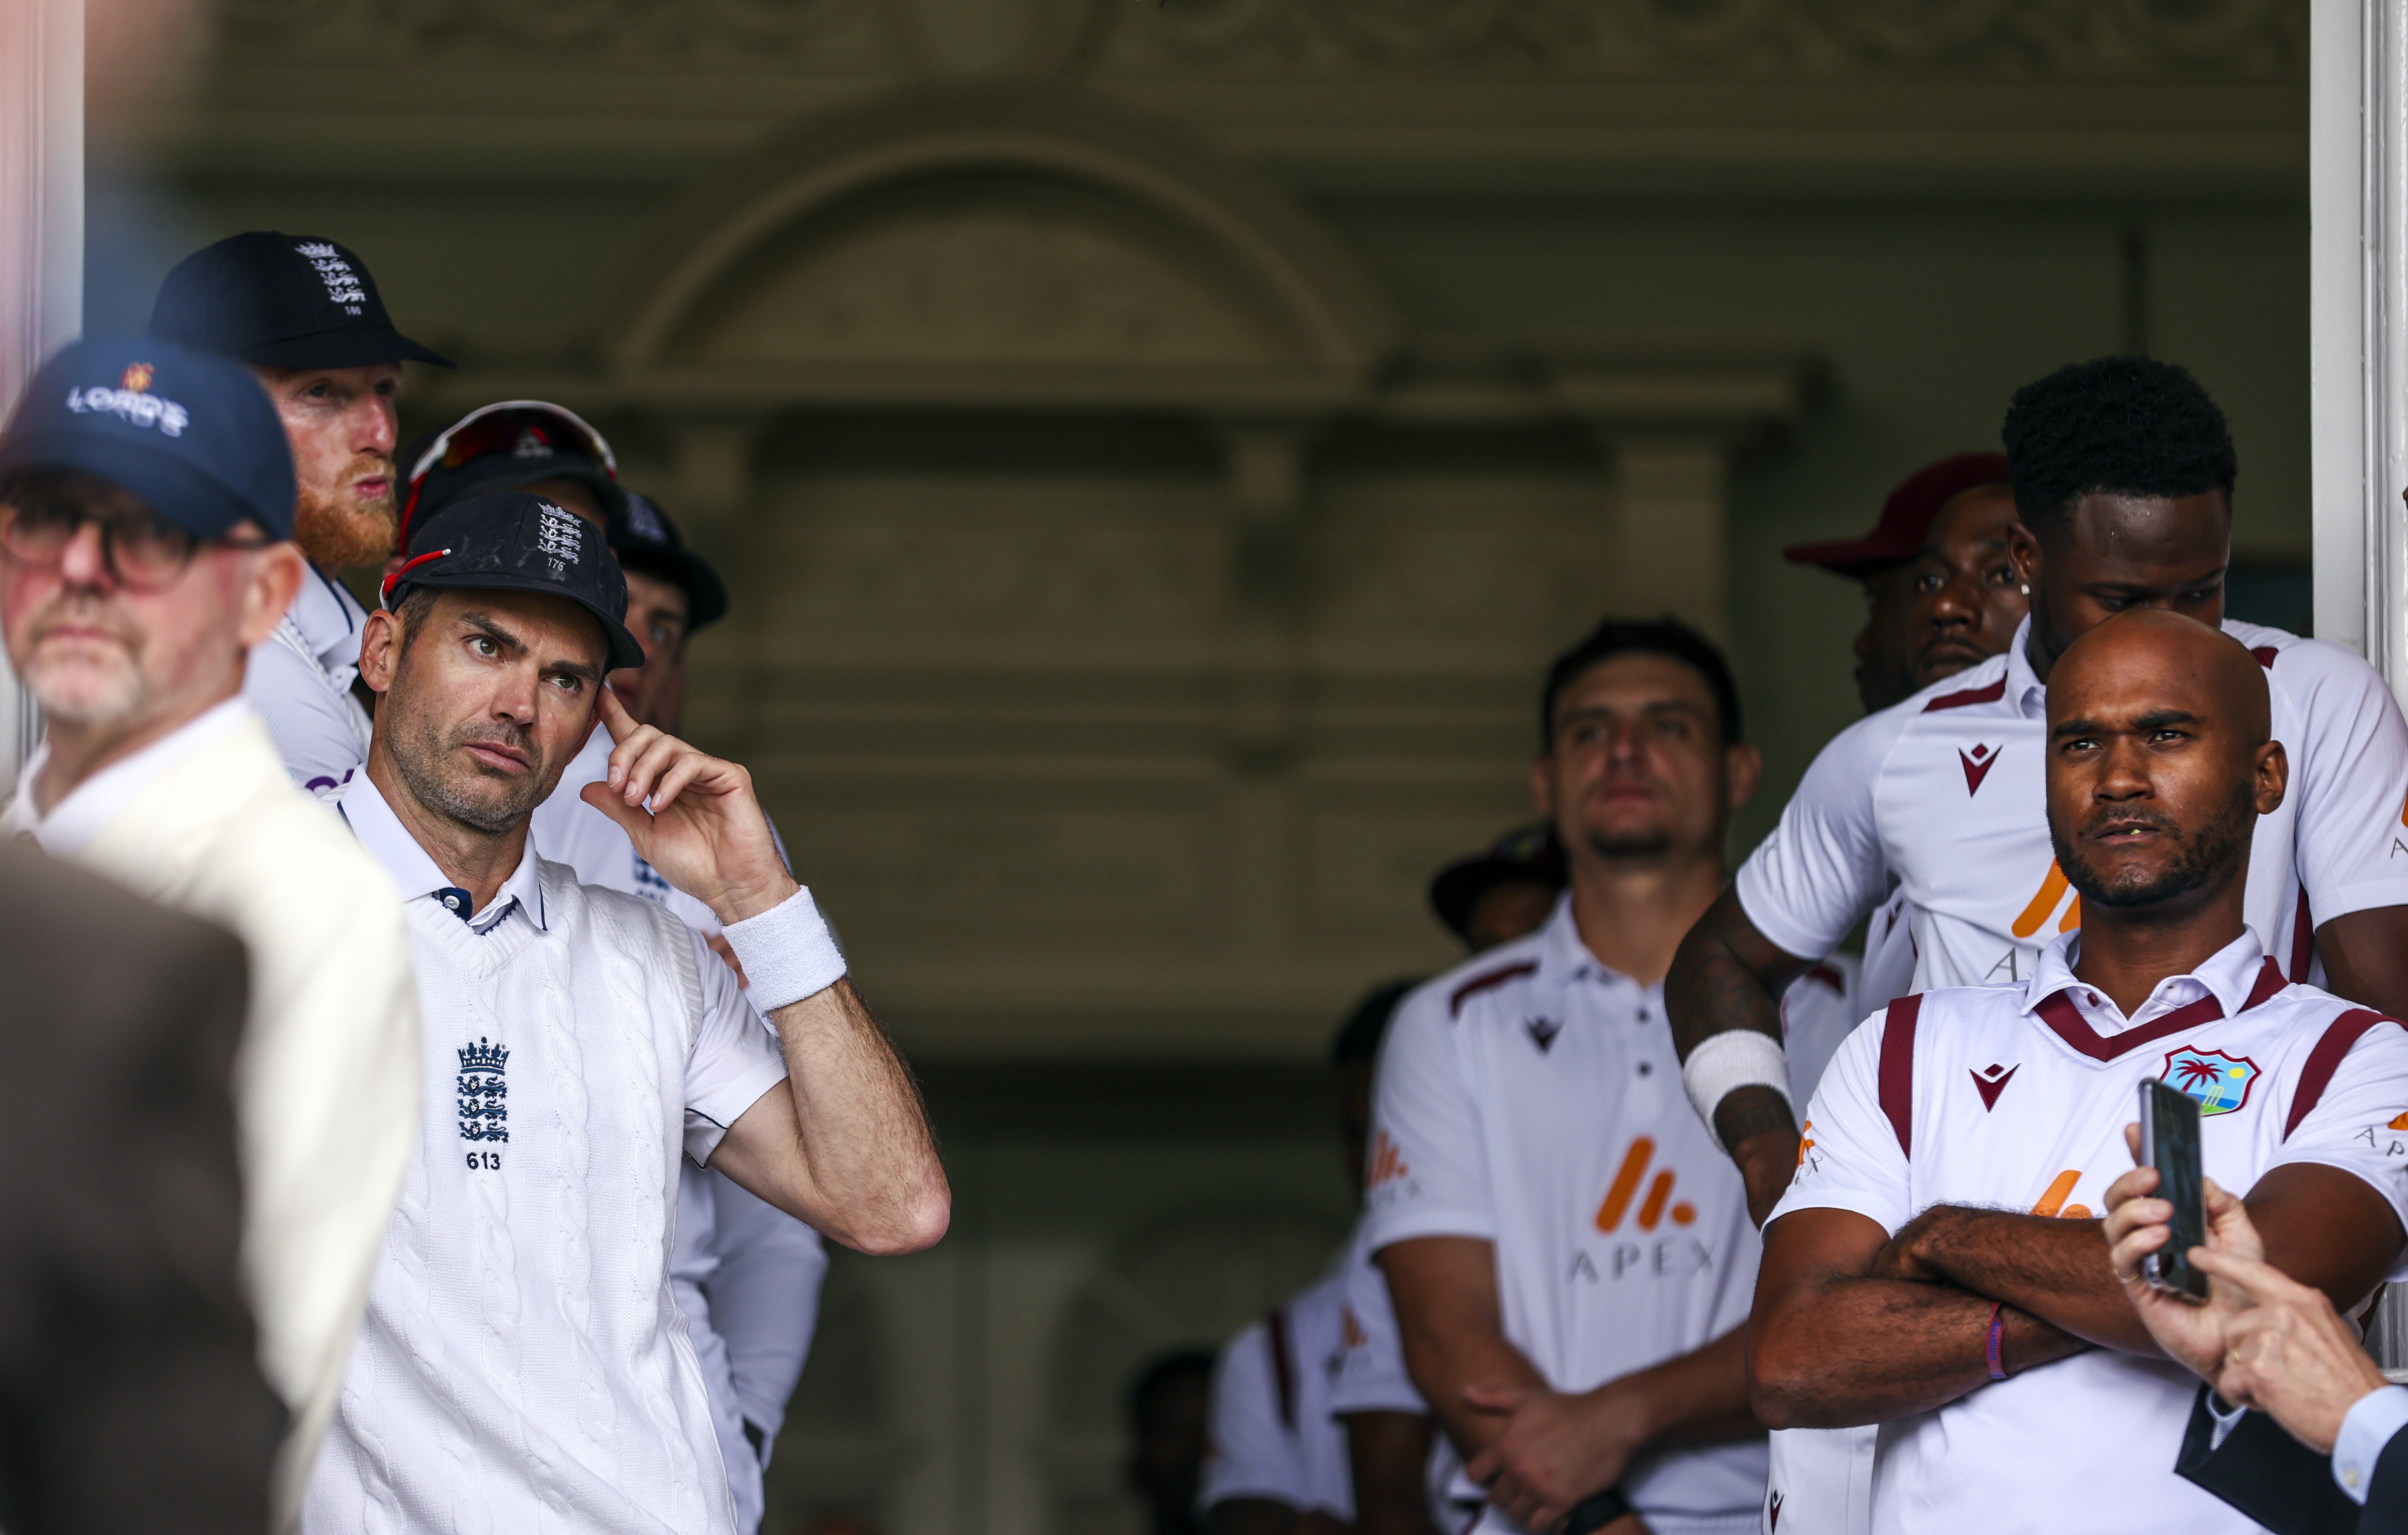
x,y
704,828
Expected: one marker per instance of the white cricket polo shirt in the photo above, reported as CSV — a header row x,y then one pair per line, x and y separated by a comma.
x,y
523,1364
1272,1434
1531,1098
299,679
2016,1097
1818,1010
1371,1378
1945,795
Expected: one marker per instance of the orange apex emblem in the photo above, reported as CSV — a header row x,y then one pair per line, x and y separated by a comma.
x,y
137,378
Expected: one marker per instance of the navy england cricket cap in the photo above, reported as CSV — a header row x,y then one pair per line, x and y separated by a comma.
x,y
194,437
280,301
512,541
647,542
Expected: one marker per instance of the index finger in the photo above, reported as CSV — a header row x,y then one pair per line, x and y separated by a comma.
x,y
2259,1282
612,714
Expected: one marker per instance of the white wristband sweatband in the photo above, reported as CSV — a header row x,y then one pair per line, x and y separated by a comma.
x,y
1725,1062
787,952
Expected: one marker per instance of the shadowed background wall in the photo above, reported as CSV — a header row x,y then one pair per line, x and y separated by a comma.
x,y
1155,445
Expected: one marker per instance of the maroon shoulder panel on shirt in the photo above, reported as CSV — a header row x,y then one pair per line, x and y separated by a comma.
x,y
1489,982
1897,1068
2324,1059
1990,694
2265,657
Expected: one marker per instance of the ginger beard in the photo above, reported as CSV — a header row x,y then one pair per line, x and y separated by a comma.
x,y
337,526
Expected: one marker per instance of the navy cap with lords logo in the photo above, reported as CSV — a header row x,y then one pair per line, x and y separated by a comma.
x,y
509,540
194,437
281,300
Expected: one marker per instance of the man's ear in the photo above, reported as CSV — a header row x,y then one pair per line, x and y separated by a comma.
x,y
275,577
2023,551
2269,776
1743,770
1543,785
379,649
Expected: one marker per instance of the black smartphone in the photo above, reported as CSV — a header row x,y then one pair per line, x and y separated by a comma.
x,y
2169,1143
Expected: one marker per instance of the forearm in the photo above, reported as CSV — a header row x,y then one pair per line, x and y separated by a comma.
x,y
1857,1351
1699,1398
1388,1455
864,1135
1727,976
1445,1362
2058,1269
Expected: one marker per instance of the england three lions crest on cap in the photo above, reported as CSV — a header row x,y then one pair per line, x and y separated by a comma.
x,y
484,1091
2219,1082
560,536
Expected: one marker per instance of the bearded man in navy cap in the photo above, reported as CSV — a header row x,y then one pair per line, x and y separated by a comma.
x,y
146,514
303,314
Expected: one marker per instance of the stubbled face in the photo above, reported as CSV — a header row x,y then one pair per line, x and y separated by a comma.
x,y
1637,771
2158,765
654,692
2112,554
487,696
343,424
1954,605
99,654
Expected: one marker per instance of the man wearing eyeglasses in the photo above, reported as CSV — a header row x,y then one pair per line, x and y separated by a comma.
x,y
304,315
145,515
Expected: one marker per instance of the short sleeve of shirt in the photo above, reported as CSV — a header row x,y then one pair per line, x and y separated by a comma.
x,y
1848,1156
319,733
2351,775
1809,883
735,1059
1253,1455
1372,1376
2350,1126
1428,1175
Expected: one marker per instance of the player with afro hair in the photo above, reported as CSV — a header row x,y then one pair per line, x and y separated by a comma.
x,y
2123,426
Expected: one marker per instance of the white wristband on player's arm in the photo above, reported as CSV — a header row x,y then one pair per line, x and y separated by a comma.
x,y
1733,1060
787,952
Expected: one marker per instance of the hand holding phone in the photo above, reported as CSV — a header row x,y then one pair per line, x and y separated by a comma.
x,y
2169,1143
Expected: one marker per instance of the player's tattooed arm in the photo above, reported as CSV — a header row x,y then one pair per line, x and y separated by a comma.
x,y
1727,975
1833,1344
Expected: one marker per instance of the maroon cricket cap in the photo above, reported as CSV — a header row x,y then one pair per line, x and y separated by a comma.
x,y
1906,517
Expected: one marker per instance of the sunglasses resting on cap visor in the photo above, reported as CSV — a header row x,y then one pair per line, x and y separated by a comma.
x,y
512,428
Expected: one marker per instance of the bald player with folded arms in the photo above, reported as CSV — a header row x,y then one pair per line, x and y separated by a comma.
x,y
1936,1267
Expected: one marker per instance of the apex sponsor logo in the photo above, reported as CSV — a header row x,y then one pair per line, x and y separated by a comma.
x,y
1977,763
1992,1080
1350,1327
2052,1199
1658,1202
2045,903
1387,1163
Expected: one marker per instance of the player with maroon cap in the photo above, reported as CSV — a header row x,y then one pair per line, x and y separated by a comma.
x,y
1941,592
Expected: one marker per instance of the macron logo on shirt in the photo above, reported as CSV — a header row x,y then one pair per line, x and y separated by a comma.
x,y
1977,763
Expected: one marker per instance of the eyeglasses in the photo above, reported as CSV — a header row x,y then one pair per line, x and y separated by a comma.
x,y
143,551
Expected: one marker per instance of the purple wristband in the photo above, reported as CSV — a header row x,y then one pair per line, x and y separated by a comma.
x,y
1998,1335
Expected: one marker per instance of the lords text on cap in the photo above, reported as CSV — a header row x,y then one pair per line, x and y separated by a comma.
x,y
508,446
194,437
280,301
648,543
511,542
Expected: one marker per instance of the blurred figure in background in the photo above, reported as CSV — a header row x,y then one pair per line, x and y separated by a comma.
x,y
1279,1459
303,314
1495,896
1941,593
146,501
1170,1414
130,1392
